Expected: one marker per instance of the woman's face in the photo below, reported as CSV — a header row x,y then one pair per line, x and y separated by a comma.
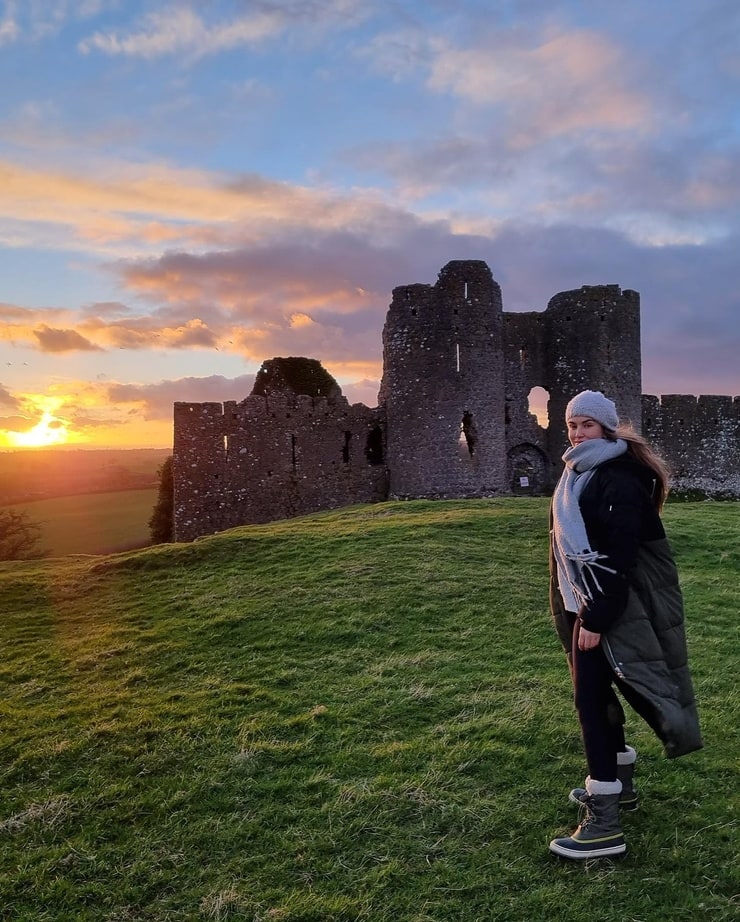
x,y
583,428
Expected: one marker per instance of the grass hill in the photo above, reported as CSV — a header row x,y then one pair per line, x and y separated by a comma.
x,y
357,715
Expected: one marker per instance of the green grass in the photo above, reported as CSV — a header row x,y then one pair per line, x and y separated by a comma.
x,y
357,715
93,523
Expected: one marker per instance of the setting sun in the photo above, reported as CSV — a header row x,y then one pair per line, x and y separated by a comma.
x,y
48,431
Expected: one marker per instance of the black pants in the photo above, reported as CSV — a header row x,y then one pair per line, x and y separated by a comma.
x,y
600,712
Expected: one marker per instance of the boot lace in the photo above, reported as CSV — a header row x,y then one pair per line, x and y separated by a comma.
x,y
586,814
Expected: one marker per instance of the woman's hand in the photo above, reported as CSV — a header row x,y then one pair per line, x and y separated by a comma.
x,y
587,640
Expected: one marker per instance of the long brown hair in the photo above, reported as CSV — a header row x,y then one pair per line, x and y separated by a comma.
x,y
642,451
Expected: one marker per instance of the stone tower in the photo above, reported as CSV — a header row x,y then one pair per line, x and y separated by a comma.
x,y
593,341
453,416
443,385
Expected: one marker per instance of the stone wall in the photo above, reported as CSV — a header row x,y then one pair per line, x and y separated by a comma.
x,y
271,458
453,418
700,439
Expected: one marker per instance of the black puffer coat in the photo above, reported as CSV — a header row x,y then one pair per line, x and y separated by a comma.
x,y
639,611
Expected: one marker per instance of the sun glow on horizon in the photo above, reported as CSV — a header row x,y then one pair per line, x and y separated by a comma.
x,y
49,430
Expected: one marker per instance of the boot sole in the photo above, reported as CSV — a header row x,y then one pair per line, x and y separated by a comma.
x,y
580,855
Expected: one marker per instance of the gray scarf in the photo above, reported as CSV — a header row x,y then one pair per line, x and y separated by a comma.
x,y
576,562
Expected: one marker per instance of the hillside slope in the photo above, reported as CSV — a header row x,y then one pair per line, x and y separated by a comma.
x,y
361,714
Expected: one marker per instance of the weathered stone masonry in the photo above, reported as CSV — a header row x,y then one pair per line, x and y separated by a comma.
x,y
453,417
273,456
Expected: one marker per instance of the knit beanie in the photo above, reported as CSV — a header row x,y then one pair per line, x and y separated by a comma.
x,y
594,405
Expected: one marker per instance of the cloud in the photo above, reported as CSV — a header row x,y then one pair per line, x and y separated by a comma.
x,y
9,31
180,30
7,399
51,340
562,83
545,121
84,405
155,401
36,20
16,423
362,391
122,208
690,308
323,293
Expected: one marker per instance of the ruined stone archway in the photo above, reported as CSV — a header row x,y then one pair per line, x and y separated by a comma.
x,y
527,469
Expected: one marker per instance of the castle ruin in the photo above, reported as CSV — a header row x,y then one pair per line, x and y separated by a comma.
x,y
453,417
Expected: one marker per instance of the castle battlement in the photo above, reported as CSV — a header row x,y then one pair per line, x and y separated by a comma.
x,y
453,417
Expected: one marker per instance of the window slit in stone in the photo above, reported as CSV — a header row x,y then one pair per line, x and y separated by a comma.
x,y
374,446
468,433
345,447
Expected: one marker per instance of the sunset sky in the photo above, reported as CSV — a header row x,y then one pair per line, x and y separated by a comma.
x,y
190,188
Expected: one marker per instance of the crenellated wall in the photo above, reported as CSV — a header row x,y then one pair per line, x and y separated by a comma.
x,y
271,458
700,439
453,418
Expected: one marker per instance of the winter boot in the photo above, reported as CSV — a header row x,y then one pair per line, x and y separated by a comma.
x,y
628,801
599,834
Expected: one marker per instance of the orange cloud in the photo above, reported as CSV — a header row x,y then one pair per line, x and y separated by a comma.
x,y
51,340
125,209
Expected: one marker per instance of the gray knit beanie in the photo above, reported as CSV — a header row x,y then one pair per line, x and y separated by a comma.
x,y
594,405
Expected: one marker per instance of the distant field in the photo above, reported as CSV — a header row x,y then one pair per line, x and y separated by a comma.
x,y
27,476
95,523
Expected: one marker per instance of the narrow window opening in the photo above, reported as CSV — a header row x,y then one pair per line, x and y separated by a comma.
x,y
226,447
413,312
468,433
374,446
345,447
465,290
457,355
522,357
537,402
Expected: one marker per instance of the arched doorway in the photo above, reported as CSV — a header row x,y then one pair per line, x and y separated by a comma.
x,y
527,470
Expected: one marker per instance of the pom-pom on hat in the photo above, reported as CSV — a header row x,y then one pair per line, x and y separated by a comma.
x,y
594,405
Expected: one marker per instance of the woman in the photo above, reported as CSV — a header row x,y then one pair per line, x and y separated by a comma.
x,y
618,611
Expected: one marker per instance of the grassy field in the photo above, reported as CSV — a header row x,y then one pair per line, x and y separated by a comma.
x,y
93,523
42,473
357,715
